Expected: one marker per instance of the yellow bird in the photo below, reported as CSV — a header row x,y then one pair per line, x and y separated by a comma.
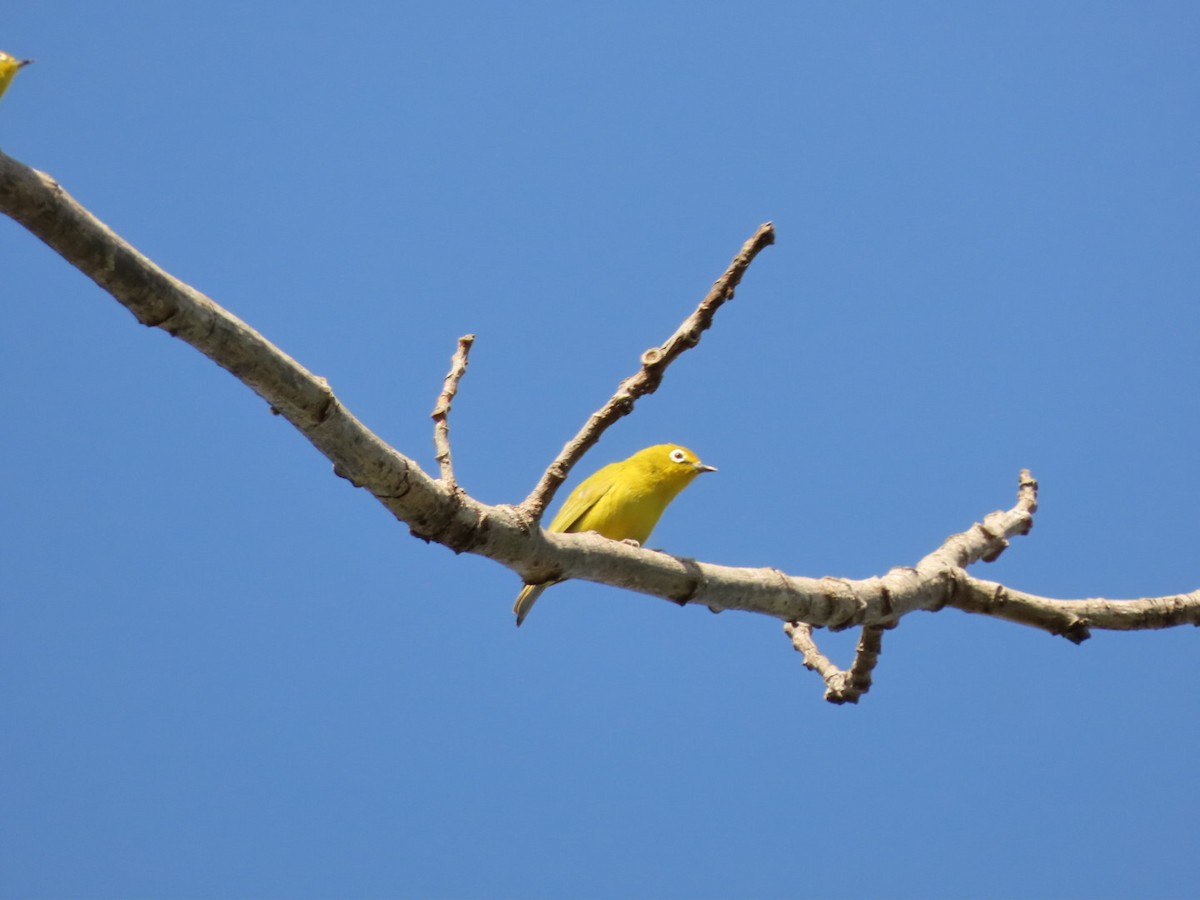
x,y
8,69
623,501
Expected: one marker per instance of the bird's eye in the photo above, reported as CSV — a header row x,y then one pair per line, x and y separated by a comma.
x,y
677,455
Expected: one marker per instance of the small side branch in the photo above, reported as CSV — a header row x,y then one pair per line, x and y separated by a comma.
x,y
441,409
649,377
840,686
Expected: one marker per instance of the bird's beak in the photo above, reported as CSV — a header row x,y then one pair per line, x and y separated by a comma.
x,y
700,467
23,62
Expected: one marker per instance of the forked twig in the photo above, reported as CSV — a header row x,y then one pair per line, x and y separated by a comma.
x,y
840,686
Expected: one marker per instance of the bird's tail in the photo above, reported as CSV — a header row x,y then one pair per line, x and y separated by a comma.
x,y
526,599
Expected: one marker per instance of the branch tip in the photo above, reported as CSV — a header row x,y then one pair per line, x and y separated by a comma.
x,y
1027,491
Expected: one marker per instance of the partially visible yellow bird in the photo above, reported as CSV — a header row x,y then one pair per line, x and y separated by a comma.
x,y
623,501
8,69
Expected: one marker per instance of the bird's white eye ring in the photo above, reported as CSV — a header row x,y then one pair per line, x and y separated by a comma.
x,y
677,455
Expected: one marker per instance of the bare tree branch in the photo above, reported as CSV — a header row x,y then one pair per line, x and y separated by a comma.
x,y
441,409
436,510
647,379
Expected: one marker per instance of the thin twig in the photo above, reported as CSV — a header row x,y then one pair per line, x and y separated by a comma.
x,y
814,659
441,410
647,379
840,686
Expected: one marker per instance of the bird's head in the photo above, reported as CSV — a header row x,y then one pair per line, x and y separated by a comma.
x,y
8,68
9,63
671,463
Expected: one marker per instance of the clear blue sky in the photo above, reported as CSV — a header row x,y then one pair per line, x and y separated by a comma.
x,y
229,674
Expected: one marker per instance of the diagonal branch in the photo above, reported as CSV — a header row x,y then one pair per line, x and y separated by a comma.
x,y
441,409
647,379
159,300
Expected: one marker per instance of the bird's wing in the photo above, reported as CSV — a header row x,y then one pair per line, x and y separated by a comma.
x,y
583,498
